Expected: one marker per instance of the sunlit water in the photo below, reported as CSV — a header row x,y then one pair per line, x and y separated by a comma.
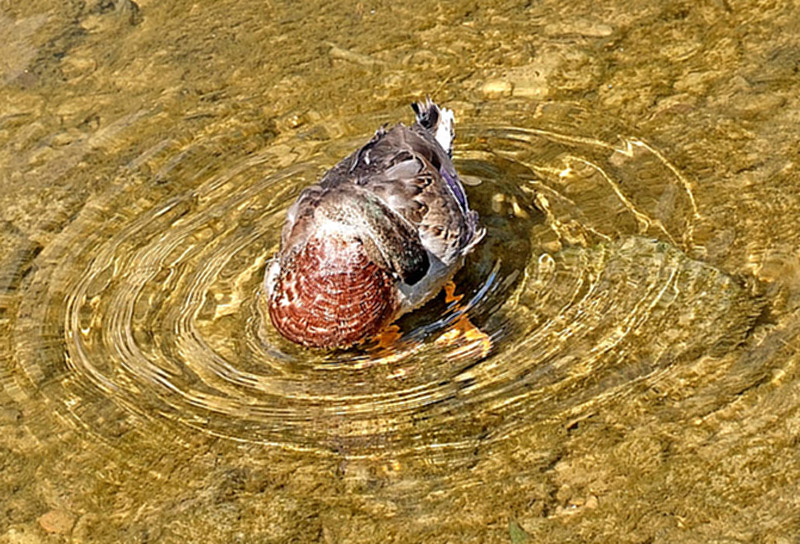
x,y
621,306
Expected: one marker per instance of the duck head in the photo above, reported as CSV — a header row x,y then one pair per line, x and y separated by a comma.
x,y
328,293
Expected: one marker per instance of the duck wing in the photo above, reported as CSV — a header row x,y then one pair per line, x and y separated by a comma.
x,y
408,169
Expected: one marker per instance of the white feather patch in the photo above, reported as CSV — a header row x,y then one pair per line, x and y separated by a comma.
x,y
444,129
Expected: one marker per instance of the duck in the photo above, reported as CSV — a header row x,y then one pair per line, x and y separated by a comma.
x,y
378,236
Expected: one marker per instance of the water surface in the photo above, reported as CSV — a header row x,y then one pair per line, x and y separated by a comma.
x,y
618,363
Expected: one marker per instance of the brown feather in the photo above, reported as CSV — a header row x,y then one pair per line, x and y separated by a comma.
x,y
331,294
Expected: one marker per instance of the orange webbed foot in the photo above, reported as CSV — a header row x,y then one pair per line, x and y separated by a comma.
x,y
450,292
388,337
469,338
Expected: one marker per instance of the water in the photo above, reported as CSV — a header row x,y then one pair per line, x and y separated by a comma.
x,y
618,361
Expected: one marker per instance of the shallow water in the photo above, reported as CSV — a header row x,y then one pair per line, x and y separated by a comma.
x,y
634,378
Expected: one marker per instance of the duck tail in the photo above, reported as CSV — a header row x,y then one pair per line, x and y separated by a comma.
x,y
440,122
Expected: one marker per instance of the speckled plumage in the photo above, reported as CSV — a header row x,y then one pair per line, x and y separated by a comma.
x,y
377,237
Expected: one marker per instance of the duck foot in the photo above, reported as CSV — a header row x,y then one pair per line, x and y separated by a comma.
x,y
450,292
461,339
387,338
463,333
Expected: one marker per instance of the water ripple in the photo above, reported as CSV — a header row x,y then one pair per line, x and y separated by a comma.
x,y
146,312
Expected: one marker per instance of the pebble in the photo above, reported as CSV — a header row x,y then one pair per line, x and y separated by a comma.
x,y
552,246
531,83
576,505
497,87
695,82
20,536
531,80
9,416
77,67
340,53
57,521
470,181
579,27
751,104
